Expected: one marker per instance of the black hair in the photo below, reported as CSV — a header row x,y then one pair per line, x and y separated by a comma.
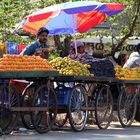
x,y
138,47
42,30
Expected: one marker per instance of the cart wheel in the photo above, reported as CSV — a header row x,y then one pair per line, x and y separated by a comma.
x,y
26,101
103,107
61,119
127,107
8,119
137,116
43,120
77,116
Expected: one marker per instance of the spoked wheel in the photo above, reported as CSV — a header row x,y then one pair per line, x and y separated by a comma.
x,y
26,101
137,116
8,119
61,119
77,100
127,107
103,107
45,98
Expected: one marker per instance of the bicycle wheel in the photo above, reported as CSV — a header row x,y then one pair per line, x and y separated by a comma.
x,y
43,120
137,116
103,107
26,101
77,100
127,107
8,119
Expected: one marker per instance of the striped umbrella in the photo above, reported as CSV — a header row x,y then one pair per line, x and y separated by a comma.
x,y
70,17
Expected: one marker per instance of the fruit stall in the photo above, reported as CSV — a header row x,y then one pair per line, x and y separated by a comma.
x,y
31,68
128,99
62,87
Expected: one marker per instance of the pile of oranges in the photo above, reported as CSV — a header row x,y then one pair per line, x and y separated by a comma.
x,y
67,66
24,63
127,73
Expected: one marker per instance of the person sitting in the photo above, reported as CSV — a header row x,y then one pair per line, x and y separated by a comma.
x,y
134,59
81,56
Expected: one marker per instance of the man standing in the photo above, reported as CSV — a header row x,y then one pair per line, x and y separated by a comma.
x,y
134,59
39,47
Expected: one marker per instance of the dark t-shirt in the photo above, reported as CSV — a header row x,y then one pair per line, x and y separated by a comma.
x,y
32,48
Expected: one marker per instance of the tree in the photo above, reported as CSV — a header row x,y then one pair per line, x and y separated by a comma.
x,y
11,13
123,25
126,24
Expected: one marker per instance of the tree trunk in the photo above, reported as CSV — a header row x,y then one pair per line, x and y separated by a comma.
x,y
58,43
66,46
130,33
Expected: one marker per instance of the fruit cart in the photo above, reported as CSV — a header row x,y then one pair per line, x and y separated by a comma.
x,y
39,104
42,101
77,101
94,91
128,101
36,101
129,94
80,105
79,98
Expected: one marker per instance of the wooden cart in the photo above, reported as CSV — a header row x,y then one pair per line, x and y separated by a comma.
x,y
42,105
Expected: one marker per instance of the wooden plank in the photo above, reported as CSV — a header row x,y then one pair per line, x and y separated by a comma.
x,y
88,108
22,109
65,78
27,74
93,108
130,82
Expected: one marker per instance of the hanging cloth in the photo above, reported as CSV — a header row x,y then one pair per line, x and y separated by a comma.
x,y
21,47
12,48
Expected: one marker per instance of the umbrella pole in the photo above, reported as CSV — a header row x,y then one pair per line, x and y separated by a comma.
x,y
74,35
75,45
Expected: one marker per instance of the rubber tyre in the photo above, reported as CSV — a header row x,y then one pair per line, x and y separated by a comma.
x,y
8,119
43,120
103,107
124,104
77,99
26,101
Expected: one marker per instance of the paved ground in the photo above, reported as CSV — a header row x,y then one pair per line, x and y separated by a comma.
x,y
115,132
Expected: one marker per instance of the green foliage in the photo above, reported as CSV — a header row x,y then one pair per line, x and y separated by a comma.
x,y
53,55
13,11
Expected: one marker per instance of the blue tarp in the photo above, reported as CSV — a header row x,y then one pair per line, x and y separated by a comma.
x,y
12,47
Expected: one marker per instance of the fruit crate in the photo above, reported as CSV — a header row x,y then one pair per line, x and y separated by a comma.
x,y
62,94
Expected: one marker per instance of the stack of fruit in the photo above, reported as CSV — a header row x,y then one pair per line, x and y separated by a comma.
x,y
127,73
24,63
103,68
67,66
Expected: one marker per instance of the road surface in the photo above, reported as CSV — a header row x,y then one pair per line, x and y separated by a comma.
x,y
115,132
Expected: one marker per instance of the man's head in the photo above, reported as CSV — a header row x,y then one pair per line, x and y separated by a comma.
x,y
80,46
138,48
42,34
